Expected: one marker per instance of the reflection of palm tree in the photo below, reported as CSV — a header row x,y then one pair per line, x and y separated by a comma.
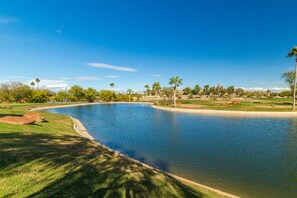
x,y
129,91
292,53
156,88
37,82
175,82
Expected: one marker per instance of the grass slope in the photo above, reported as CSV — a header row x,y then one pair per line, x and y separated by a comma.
x,y
273,105
50,159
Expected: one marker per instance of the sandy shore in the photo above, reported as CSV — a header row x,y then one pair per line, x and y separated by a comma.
x,y
80,129
229,113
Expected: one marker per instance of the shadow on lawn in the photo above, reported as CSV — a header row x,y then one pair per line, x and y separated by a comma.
x,y
89,169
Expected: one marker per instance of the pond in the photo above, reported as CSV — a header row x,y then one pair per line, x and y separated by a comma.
x,y
244,156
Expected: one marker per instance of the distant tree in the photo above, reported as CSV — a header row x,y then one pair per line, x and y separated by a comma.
x,y
5,92
231,89
187,91
212,90
37,80
206,89
293,53
175,82
107,95
112,87
20,92
196,90
289,79
90,94
77,92
240,92
129,92
40,96
167,92
32,85
156,89
285,93
148,90
62,96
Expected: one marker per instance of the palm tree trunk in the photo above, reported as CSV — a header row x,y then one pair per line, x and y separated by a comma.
x,y
294,91
174,97
158,98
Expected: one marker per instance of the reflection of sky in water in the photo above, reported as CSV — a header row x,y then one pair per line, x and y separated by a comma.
x,y
249,157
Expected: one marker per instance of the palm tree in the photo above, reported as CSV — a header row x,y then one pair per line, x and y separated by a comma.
x,y
292,53
112,87
37,82
156,88
129,91
175,82
32,84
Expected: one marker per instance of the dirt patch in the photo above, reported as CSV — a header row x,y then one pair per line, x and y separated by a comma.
x,y
28,118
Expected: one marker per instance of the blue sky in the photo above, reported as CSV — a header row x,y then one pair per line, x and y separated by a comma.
x,y
131,42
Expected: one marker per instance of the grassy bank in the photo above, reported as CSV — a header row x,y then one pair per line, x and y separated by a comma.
x,y
274,105
50,159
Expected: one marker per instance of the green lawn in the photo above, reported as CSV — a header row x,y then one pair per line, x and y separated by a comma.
x,y
50,159
275,105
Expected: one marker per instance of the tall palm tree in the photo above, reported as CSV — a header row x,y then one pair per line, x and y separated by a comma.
x,y
175,82
156,88
129,91
32,84
292,53
37,82
112,87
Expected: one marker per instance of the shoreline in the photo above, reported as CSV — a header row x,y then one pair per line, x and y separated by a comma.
x,y
81,130
228,113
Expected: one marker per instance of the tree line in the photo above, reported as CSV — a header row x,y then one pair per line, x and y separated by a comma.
x,y
21,93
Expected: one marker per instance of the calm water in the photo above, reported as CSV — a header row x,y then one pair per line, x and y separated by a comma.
x,y
248,157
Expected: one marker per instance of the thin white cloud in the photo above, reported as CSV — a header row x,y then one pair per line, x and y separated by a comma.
x,y
52,84
8,19
113,67
87,78
59,31
156,75
111,76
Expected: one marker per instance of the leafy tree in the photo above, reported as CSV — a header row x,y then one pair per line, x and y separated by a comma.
x,y
62,96
187,91
167,92
20,92
231,89
107,95
5,92
206,89
77,92
239,92
289,79
112,87
129,91
212,90
175,82
196,90
285,93
90,94
156,89
40,96
293,53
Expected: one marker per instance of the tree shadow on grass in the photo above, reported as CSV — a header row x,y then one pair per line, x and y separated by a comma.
x,y
84,169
